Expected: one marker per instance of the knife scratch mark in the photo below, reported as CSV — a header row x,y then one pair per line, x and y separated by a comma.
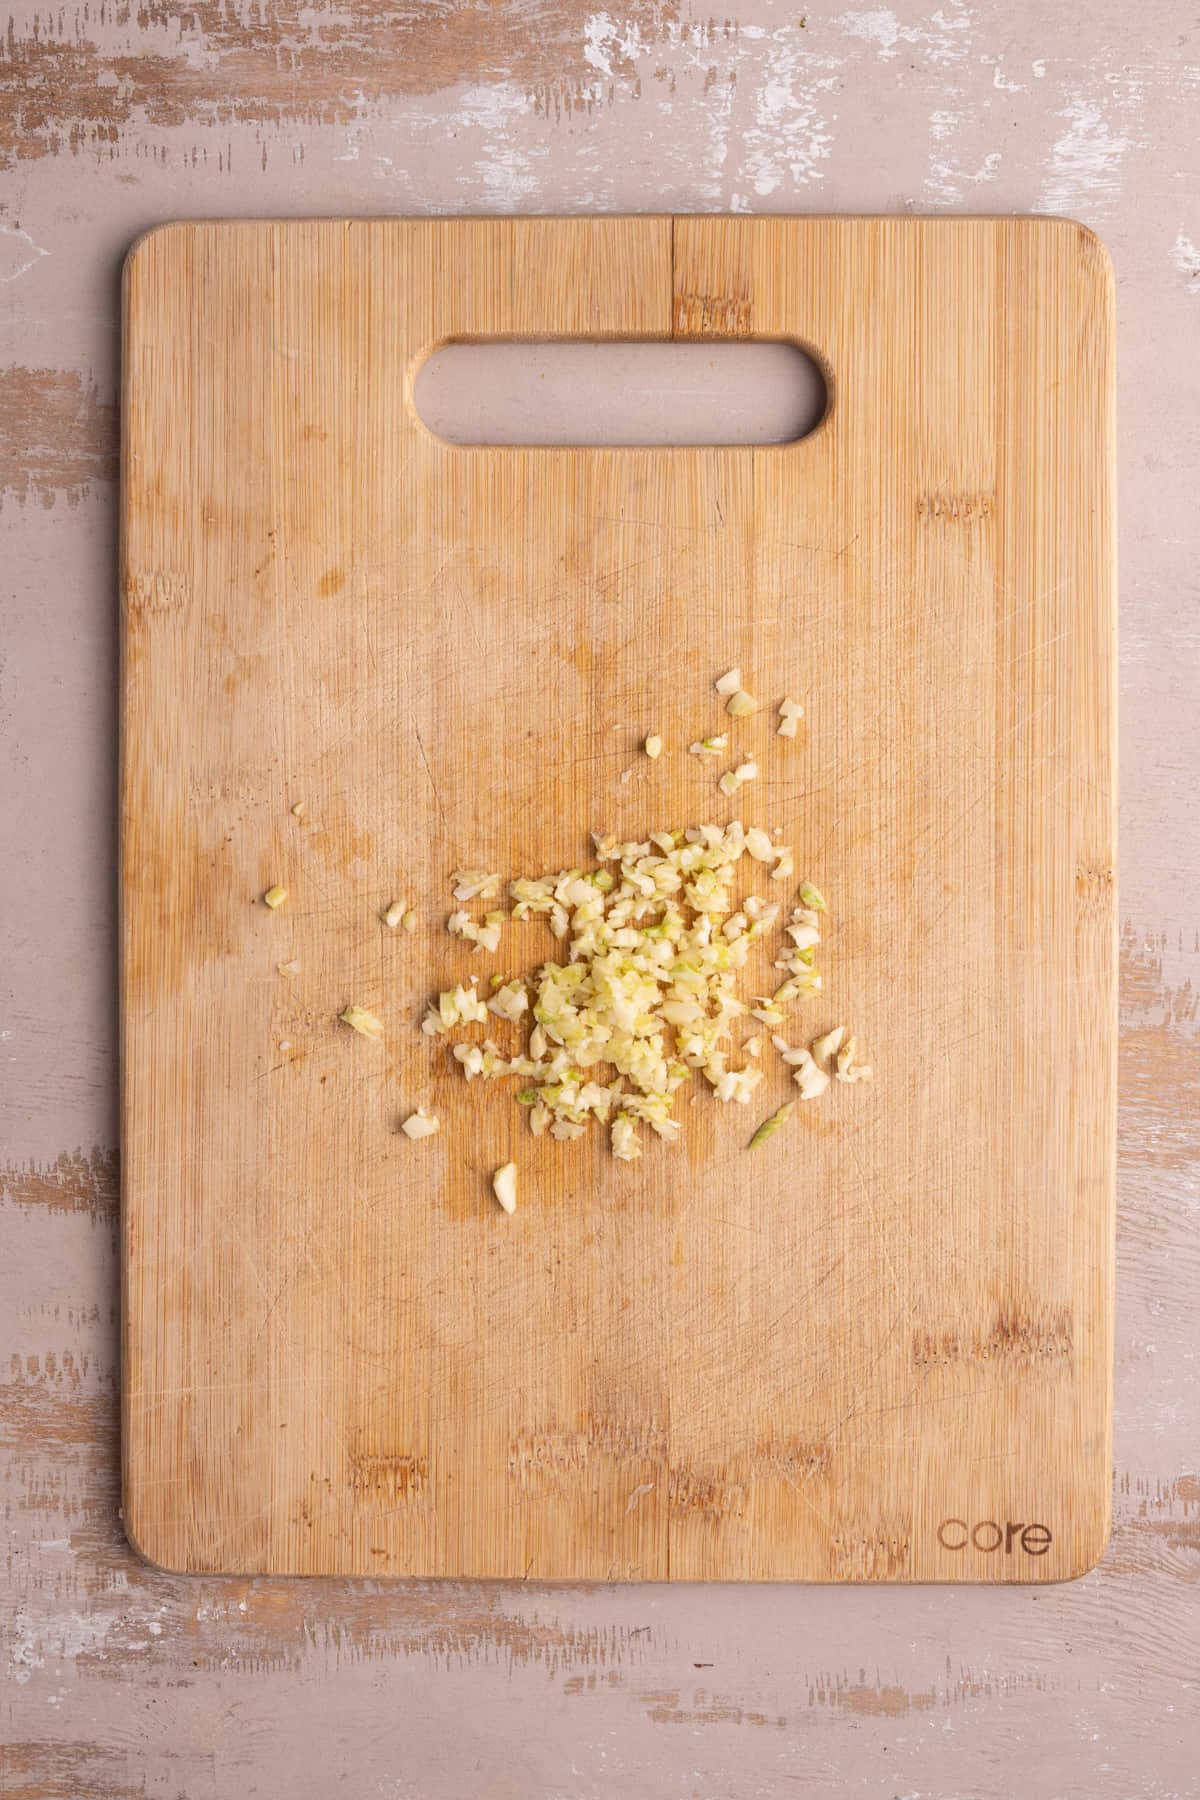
x,y
433,784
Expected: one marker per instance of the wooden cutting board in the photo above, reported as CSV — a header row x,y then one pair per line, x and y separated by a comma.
x,y
880,1348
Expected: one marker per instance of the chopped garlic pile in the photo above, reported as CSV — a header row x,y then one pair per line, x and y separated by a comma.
x,y
645,1000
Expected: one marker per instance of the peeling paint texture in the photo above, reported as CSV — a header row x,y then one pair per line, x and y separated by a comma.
x,y
121,1681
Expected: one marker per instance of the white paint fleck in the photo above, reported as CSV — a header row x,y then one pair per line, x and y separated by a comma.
x,y
1186,256
1039,67
789,137
941,40
55,1638
948,181
1086,159
18,252
880,28
505,171
604,38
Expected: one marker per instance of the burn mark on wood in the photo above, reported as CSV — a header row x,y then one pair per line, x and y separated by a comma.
x,y
1095,890
157,590
1018,1333
554,1459
711,1493
876,1552
388,1478
955,508
795,1459
712,315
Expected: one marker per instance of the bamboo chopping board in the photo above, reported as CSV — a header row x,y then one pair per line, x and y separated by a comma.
x,y
878,1350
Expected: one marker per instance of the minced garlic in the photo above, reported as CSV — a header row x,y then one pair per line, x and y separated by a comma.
x,y
769,1127
504,1186
359,1019
420,1124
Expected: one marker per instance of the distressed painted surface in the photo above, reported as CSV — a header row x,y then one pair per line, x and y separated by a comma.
x,y
124,1682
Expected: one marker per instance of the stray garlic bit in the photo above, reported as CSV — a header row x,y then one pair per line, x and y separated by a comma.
x,y
733,779
455,1006
421,1124
790,714
848,1066
769,1127
653,747
709,746
824,1048
729,683
485,936
475,884
504,1186
275,896
394,914
289,968
625,1146
509,1001
741,704
810,1080
359,1019
410,921
812,897
300,808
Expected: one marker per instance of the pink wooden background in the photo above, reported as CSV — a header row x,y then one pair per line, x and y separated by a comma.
x,y
122,1682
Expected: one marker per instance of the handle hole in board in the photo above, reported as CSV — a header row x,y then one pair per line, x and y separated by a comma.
x,y
620,393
